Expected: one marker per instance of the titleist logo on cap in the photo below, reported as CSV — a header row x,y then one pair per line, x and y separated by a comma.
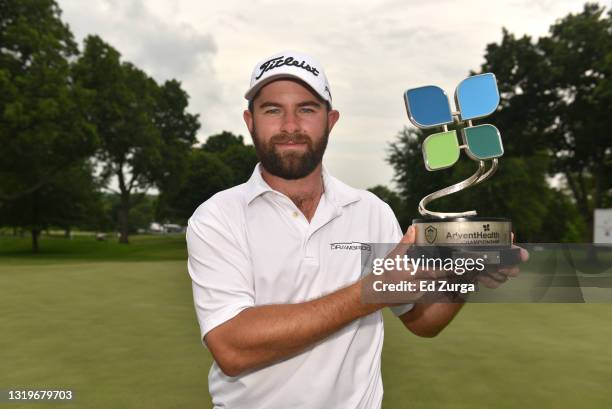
x,y
280,61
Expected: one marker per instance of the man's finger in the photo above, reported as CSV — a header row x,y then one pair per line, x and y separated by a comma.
x,y
510,271
488,281
410,236
497,275
524,255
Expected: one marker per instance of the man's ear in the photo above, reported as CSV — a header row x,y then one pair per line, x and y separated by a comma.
x,y
248,120
332,118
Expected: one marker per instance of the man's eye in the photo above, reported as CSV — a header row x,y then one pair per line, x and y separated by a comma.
x,y
307,110
272,111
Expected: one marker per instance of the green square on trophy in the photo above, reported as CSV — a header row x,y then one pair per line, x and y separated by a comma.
x,y
441,150
483,142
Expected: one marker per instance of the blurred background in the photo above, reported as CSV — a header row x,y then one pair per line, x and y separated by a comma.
x,y
119,118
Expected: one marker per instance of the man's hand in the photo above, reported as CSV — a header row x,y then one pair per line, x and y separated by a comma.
x,y
428,319
495,278
401,280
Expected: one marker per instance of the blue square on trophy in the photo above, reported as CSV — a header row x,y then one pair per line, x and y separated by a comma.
x,y
428,106
477,96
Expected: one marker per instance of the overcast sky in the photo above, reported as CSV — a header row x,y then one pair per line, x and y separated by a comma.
x,y
371,51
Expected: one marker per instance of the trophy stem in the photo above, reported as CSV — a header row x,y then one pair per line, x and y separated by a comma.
x,y
478,177
489,172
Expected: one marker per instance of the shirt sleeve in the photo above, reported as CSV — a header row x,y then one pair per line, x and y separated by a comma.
x,y
393,234
219,268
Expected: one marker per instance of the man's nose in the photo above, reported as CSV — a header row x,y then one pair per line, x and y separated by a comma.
x,y
290,123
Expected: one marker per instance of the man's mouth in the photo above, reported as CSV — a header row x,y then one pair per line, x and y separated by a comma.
x,y
291,144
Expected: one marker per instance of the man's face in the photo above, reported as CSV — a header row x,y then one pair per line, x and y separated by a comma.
x,y
290,128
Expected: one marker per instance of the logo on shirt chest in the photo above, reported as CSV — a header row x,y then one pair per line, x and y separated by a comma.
x,y
351,245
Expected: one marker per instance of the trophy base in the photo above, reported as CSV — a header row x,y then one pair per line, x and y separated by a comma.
x,y
464,231
486,237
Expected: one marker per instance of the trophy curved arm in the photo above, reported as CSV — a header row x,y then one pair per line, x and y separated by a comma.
x,y
476,178
488,173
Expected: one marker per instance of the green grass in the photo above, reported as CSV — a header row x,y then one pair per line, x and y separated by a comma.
x,y
123,334
53,249
504,356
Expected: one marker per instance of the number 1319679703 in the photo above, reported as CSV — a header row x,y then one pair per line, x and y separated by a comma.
x,y
35,394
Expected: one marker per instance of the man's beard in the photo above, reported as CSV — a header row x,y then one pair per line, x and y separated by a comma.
x,y
290,164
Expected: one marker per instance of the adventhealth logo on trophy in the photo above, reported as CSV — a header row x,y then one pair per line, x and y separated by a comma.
x,y
430,234
486,236
489,237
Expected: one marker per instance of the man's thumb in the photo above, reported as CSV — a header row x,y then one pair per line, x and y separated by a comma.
x,y
410,235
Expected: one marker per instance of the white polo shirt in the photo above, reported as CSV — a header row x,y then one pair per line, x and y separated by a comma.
x,y
250,245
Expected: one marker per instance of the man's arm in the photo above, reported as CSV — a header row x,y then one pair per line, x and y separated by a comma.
x,y
241,335
261,335
427,320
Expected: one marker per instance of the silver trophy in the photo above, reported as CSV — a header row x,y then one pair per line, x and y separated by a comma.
x,y
429,107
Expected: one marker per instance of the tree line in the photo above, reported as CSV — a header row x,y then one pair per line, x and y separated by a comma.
x,y
554,117
72,121
84,135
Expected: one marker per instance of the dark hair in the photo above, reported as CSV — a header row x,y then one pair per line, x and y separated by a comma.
x,y
316,94
250,107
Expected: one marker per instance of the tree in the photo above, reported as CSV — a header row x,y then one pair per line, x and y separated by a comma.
x,y
178,129
241,159
101,214
72,197
66,201
233,152
142,213
557,94
517,190
221,162
394,201
207,175
44,130
144,129
221,142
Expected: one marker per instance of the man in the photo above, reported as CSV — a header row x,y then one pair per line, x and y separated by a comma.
x,y
277,294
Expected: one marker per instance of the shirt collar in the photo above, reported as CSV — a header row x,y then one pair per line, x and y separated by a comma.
x,y
336,191
256,185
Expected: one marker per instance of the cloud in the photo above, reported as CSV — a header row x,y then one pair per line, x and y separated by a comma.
x,y
372,52
164,47
154,40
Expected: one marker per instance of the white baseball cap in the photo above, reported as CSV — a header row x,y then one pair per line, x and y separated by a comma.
x,y
290,64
